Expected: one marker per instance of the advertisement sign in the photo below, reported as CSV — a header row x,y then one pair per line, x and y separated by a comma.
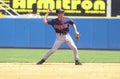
x,y
71,7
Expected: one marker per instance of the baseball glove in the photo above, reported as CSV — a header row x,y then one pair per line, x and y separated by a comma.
x,y
77,37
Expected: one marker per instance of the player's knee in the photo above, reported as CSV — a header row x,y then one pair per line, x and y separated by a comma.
x,y
74,48
53,50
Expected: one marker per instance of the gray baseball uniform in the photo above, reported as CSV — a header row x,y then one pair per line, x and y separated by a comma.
x,y
61,27
62,36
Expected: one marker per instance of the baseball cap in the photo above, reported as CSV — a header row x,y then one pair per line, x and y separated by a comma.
x,y
59,11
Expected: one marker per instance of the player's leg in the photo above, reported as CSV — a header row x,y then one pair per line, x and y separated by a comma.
x,y
56,45
72,45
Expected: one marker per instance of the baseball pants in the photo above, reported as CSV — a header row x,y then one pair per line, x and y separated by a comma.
x,y
60,39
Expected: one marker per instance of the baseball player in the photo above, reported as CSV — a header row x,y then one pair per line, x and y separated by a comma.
x,y
61,27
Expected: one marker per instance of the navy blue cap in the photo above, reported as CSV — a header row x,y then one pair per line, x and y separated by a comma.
x,y
59,11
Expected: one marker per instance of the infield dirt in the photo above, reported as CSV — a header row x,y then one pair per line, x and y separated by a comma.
x,y
59,71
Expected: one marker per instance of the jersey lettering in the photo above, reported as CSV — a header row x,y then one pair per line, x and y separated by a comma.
x,y
61,27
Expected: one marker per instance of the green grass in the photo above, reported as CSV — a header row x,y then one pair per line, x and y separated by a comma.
x,y
61,56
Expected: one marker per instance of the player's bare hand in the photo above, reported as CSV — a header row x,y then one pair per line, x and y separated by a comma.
x,y
50,10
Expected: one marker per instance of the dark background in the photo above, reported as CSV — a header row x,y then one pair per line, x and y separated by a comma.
x,y
115,7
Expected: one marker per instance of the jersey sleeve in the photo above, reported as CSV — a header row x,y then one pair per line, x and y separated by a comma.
x,y
50,21
71,21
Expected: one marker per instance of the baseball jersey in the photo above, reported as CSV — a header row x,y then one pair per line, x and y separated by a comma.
x,y
61,26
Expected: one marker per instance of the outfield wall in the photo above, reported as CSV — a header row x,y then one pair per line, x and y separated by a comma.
x,y
96,33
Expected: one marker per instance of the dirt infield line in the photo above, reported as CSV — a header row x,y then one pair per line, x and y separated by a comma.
x,y
59,71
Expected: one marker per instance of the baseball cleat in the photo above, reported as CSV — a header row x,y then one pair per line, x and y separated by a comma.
x,y
41,62
77,62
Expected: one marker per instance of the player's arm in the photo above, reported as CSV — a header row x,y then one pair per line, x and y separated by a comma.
x,y
46,16
76,32
75,29
74,26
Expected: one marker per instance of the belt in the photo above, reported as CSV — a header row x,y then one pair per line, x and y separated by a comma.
x,y
61,33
